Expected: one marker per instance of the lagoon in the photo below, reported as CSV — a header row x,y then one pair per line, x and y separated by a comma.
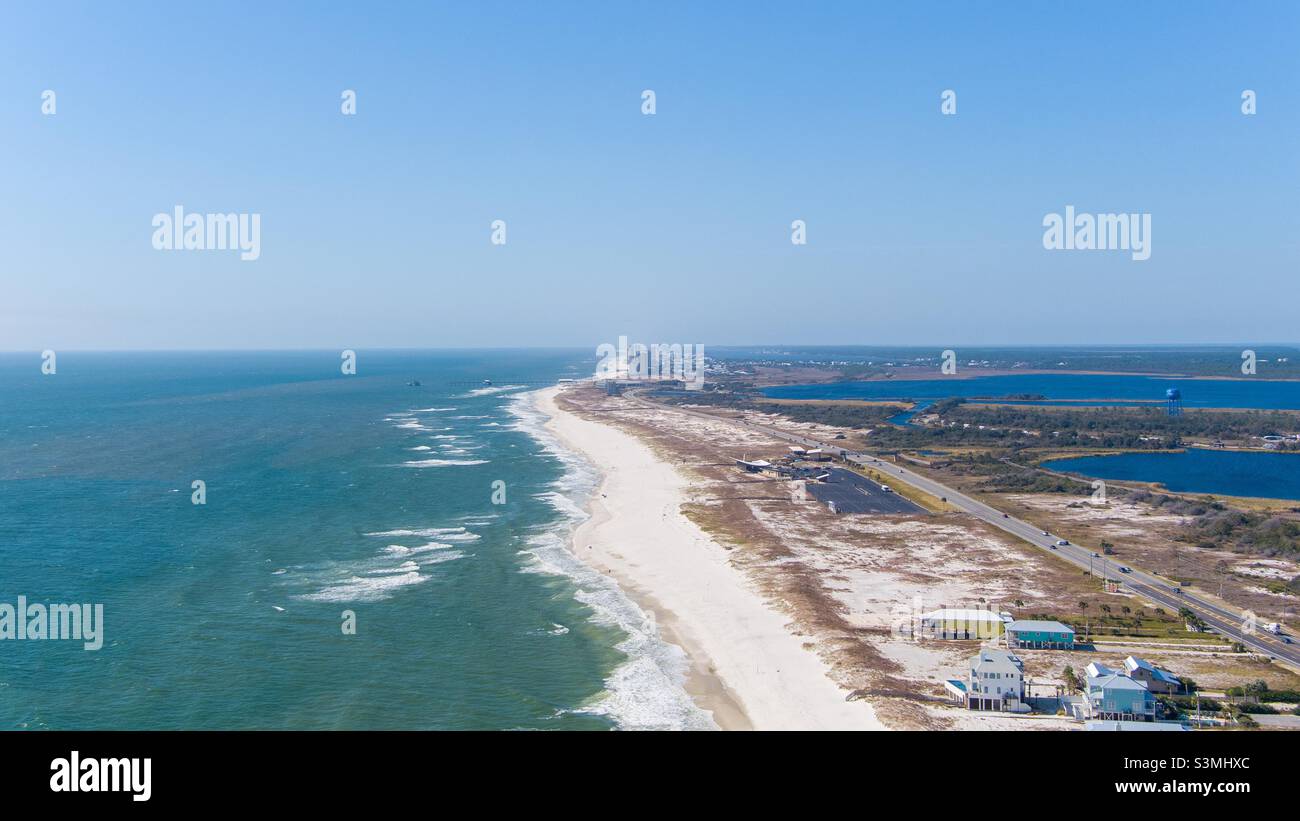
x,y
1223,472
1063,388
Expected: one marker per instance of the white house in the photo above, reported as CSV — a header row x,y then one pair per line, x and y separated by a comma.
x,y
996,682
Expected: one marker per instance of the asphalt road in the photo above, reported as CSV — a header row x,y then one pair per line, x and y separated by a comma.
x,y
1168,594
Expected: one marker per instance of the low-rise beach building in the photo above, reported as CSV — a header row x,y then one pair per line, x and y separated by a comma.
x,y
1042,634
963,623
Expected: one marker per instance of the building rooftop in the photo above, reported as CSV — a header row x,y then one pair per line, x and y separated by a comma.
x,y
963,614
1132,663
1098,670
1033,625
995,659
1114,681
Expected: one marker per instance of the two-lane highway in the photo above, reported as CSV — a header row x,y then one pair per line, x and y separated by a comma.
x,y
1233,625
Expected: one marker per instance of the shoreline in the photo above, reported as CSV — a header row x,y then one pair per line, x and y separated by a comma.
x,y
745,667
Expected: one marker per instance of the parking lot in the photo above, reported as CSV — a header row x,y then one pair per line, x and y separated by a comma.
x,y
853,493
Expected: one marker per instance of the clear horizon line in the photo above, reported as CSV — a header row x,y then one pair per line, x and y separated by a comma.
x,y
726,346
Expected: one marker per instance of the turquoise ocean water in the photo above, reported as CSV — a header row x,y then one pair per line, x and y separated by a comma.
x,y
325,493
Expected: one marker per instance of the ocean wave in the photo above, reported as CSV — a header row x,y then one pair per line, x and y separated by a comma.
x,y
430,410
438,534
411,424
647,691
370,588
403,550
371,579
493,389
440,463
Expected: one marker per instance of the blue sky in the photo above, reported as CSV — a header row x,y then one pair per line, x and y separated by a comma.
x,y
922,228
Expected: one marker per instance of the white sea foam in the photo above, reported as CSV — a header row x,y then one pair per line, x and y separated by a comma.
x,y
438,534
648,690
411,424
491,389
371,588
421,447
430,410
373,578
403,550
404,567
442,463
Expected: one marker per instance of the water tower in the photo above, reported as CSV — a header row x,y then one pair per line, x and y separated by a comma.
x,y
1174,401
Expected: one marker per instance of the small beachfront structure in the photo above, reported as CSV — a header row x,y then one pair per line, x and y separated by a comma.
x,y
1042,634
963,623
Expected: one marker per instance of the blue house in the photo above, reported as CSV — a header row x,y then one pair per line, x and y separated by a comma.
x,y
1034,633
1119,698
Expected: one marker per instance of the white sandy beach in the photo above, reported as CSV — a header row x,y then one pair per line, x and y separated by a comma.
x,y
748,668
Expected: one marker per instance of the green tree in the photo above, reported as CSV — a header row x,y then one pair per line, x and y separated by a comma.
x,y
1071,680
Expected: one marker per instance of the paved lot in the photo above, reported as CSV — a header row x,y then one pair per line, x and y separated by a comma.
x,y
853,493
1284,722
